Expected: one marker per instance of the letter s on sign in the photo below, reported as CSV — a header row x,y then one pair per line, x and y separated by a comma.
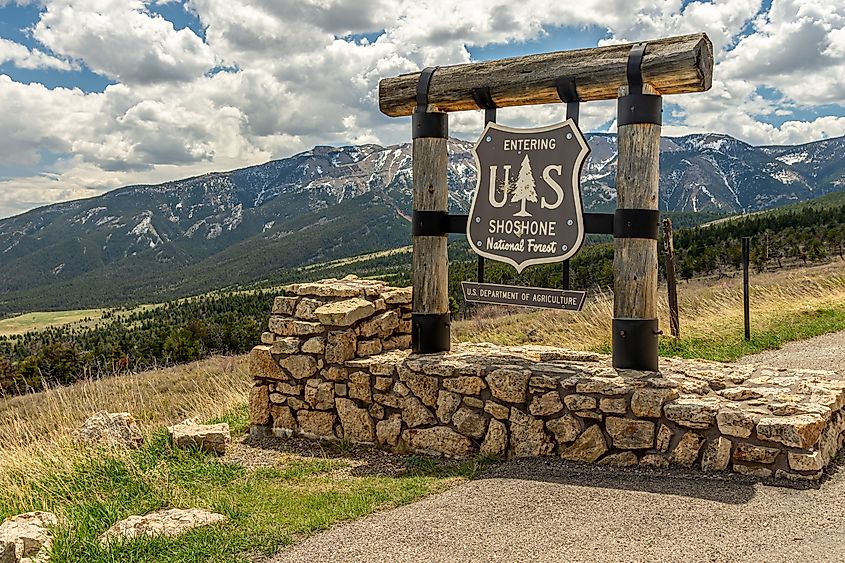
x,y
553,185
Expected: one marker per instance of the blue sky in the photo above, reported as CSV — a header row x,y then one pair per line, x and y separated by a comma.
x,y
95,94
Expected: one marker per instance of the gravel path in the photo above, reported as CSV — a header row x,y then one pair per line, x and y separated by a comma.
x,y
822,352
551,510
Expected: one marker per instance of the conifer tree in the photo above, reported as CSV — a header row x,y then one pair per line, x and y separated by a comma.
x,y
524,190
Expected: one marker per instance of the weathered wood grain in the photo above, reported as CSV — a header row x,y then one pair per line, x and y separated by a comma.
x,y
671,283
635,260
430,259
674,65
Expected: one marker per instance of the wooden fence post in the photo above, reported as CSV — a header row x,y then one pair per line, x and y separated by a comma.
x,y
746,294
671,283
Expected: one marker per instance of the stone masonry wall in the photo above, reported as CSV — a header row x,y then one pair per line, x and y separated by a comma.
x,y
336,366
300,372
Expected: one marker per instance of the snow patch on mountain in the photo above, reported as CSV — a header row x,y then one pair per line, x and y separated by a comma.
x,y
145,232
794,158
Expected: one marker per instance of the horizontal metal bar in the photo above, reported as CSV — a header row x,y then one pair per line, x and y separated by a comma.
x,y
436,223
598,223
636,223
625,223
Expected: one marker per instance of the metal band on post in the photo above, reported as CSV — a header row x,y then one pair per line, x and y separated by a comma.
x,y
636,223
423,122
635,343
437,223
637,107
430,333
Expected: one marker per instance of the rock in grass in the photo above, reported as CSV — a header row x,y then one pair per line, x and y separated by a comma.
x,y
112,429
28,536
170,523
7,552
212,438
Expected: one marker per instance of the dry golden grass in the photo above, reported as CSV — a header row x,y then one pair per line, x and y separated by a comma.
x,y
36,430
709,309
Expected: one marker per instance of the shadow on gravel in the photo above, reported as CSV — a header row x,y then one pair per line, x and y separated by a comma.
x,y
366,461
726,488
361,460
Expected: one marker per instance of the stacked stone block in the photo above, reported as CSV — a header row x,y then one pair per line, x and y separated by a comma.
x,y
358,382
302,383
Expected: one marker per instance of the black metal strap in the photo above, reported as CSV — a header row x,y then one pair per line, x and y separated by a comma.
x,y
436,223
598,223
635,68
483,99
635,343
423,122
423,86
637,107
566,89
636,223
568,93
430,332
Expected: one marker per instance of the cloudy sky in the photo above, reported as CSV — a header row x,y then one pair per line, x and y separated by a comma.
x,y
96,94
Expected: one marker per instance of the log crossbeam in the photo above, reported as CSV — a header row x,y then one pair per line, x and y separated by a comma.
x,y
674,65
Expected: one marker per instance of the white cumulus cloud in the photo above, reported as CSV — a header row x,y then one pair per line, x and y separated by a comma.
x,y
262,79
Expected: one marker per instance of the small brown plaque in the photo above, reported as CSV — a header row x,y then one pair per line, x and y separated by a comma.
x,y
538,297
527,204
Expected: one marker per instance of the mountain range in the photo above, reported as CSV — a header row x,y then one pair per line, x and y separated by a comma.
x,y
149,242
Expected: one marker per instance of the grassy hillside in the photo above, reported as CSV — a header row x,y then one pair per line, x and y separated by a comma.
x,y
363,224
710,311
123,341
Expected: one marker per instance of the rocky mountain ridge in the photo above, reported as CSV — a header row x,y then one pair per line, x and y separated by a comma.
x,y
329,202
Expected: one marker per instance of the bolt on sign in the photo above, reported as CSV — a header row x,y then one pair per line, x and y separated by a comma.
x,y
527,204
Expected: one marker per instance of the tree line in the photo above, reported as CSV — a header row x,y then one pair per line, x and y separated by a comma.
x,y
781,237
124,341
232,322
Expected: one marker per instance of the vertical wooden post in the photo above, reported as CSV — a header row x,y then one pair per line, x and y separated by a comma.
x,y
746,300
635,259
671,284
430,320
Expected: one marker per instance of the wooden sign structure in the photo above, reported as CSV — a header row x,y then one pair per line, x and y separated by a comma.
x,y
637,75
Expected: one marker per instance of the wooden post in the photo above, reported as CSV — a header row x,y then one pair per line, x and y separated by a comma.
x,y
671,283
635,259
431,260
746,299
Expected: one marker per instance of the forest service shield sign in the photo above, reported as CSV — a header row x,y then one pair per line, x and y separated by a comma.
x,y
527,207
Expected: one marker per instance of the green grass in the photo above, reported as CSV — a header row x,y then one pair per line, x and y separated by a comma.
x,y
731,345
267,508
44,319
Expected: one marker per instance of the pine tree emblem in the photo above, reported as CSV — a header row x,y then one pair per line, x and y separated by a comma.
x,y
524,189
